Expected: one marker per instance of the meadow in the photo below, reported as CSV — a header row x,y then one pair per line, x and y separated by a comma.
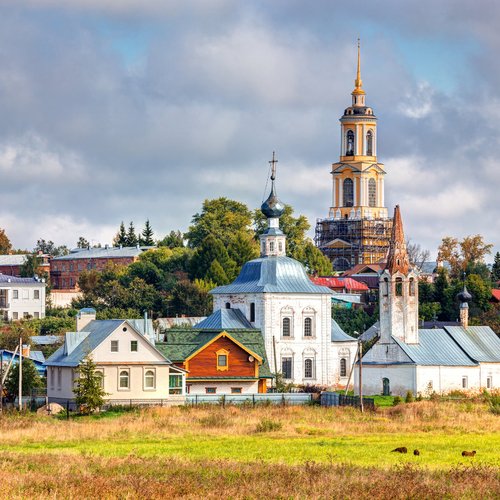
x,y
248,452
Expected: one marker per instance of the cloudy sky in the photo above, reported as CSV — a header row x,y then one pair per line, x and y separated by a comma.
x,y
118,110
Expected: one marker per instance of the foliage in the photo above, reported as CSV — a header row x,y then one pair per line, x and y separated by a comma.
x,y
242,248
173,239
132,239
280,384
409,397
121,236
5,244
11,332
416,254
352,320
191,299
397,400
82,243
49,248
312,259
31,379
268,425
31,266
89,395
495,270
146,238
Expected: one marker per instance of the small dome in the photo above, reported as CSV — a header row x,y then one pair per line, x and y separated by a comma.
x,y
464,295
272,207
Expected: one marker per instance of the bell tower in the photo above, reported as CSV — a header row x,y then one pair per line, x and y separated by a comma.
x,y
357,190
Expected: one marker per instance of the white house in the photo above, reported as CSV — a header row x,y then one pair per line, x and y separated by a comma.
x,y
130,365
294,315
21,298
422,361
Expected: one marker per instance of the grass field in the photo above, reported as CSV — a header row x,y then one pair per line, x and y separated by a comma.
x,y
266,451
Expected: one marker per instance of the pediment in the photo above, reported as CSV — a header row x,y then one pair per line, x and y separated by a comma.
x,y
337,243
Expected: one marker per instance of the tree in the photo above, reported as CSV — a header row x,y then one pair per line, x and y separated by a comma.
x,y
416,254
216,273
49,248
31,266
352,320
121,236
243,248
82,243
5,244
131,236
221,218
172,240
312,258
31,379
89,394
146,238
495,270
191,299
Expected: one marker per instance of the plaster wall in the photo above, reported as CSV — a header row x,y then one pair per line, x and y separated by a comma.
x,y
250,387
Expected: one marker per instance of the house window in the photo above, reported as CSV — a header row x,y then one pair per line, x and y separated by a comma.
x,y
26,315
80,266
489,382
124,382
133,346
149,379
71,266
15,294
348,193
308,368
286,327
343,367
399,287
15,315
222,360
71,282
175,384
36,294
386,387
36,315
210,390
236,390
308,327
286,367
63,268
465,383
252,312
372,193
114,346
412,287
100,377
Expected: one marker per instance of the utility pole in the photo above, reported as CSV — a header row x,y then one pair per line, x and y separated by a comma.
x,y
1,381
20,373
360,375
275,363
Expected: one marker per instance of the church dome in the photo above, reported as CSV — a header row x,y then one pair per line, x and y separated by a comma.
x,y
272,274
272,207
464,295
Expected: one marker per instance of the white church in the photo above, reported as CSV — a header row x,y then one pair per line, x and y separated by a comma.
x,y
406,358
294,315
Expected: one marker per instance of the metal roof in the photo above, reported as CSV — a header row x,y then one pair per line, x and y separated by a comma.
x,y
13,260
179,321
103,253
225,319
338,335
479,342
371,333
435,348
45,339
4,278
272,275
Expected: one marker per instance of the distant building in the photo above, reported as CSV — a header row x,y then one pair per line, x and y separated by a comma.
x,y
36,356
348,292
21,298
11,264
65,270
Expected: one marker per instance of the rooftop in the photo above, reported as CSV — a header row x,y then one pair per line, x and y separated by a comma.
x,y
4,278
103,253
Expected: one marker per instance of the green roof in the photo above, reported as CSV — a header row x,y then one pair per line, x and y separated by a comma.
x,y
179,344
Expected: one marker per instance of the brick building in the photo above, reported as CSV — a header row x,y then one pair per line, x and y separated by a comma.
x,y
65,270
10,265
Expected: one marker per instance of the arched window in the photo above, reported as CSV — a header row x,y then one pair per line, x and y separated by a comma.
x,y
372,193
343,367
308,368
399,287
349,143
252,312
228,305
386,287
348,193
149,379
412,287
286,327
386,387
100,377
369,143
308,327
124,379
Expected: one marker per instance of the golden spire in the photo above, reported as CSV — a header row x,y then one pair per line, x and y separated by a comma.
x,y
358,83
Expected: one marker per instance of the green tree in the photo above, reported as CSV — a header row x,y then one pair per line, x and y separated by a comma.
x,y
173,239
191,299
31,266
132,239
495,270
312,258
89,394
221,218
352,320
82,243
31,379
121,236
147,234
5,244
216,274
49,248
243,248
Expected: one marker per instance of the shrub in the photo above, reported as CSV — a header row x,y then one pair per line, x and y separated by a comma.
x,y
268,425
214,420
397,400
409,397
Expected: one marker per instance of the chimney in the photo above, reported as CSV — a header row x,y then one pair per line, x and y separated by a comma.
x,y
84,317
26,351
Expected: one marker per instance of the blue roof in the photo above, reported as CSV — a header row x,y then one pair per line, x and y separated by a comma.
x,y
479,342
435,348
225,319
45,339
338,335
272,275
5,278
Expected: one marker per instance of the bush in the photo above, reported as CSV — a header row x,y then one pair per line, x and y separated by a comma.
x,y
268,425
214,420
409,397
397,400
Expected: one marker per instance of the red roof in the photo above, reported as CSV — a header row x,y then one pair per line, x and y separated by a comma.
x,y
496,294
344,283
358,268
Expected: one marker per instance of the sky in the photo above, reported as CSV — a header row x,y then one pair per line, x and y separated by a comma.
x,y
132,110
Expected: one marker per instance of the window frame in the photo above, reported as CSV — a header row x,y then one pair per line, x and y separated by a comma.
x,y
343,367
15,294
236,390
210,390
113,344
309,369
309,320
465,382
148,370
134,343
127,372
219,354
289,361
252,312
398,287
348,192
288,319
174,389
369,143
36,294
372,193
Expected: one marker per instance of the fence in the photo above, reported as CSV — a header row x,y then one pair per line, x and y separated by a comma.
x,y
336,399
292,399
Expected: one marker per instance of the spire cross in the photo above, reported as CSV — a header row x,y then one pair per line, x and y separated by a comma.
x,y
273,167
358,83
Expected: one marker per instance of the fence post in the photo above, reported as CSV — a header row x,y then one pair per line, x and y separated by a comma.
x,y
253,400
196,400
130,403
67,409
223,401
283,399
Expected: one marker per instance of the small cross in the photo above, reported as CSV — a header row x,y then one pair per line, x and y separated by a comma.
x,y
273,167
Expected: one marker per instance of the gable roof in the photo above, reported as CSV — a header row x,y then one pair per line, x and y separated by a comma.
x,y
225,319
435,348
336,282
479,342
338,335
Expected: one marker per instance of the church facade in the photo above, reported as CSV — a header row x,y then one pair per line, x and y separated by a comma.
x,y
294,315
357,228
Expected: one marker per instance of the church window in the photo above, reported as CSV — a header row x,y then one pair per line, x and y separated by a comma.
x,y
489,382
369,143
386,387
399,287
271,246
286,367
350,143
308,368
308,327
228,305
465,383
280,246
252,312
348,193
343,367
286,330
372,193
386,287
412,287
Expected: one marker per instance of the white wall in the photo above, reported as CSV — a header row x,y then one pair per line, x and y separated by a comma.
x,y
402,378
25,303
223,387
447,378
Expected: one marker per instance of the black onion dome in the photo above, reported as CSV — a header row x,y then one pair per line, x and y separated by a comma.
x,y
272,207
464,295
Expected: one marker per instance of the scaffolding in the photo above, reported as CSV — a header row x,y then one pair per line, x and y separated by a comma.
x,y
347,242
